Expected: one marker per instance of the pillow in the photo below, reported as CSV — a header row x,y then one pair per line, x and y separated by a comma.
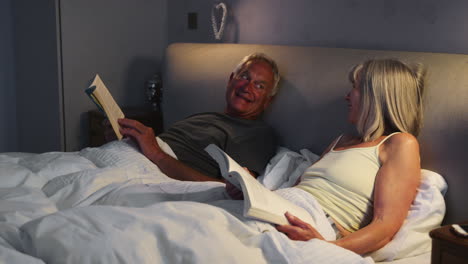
x,y
425,214
285,168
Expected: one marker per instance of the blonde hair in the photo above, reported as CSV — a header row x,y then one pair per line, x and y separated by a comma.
x,y
262,57
391,97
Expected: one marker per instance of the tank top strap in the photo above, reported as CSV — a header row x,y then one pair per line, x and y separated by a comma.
x,y
387,137
336,142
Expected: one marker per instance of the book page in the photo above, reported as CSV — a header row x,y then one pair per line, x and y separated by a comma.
x,y
225,162
269,206
108,104
259,202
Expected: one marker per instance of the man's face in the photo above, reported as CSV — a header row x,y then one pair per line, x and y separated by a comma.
x,y
248,91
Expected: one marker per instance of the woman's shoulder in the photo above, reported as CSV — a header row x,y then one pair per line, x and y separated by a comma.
x,y
402,138
401,142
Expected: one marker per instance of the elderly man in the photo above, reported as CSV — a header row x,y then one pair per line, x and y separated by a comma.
x,y
238,131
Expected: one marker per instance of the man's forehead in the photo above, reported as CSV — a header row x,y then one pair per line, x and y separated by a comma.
x,y
248,65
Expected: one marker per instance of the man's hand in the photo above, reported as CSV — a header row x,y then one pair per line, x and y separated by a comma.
x,y
143,135
232,190
298,229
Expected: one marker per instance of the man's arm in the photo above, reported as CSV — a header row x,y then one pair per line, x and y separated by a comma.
x,y
146,140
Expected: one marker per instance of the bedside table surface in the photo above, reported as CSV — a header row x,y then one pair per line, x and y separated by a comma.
x,y
444,233
448,248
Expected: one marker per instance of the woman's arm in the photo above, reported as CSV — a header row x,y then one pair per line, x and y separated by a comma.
x,y
395,189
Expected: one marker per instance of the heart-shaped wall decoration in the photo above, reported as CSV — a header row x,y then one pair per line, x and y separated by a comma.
x,y
218,32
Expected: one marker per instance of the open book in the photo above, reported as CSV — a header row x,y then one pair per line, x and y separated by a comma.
x,y
259,202
101,96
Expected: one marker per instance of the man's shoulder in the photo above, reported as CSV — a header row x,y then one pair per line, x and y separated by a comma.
x,y
224,117
203,114
229,123
208,116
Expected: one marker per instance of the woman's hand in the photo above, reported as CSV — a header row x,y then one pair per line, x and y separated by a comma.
x,y
298,229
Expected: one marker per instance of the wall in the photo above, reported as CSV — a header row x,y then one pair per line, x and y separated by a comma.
x,y
8,139
37,76
61,44
417,25
123,41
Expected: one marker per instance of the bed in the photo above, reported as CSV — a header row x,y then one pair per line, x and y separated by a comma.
x,y
98,205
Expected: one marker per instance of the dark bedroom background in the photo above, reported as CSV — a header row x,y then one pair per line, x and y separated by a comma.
x,y
49,50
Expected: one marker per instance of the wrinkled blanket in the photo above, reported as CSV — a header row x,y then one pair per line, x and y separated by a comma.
x,y
112,205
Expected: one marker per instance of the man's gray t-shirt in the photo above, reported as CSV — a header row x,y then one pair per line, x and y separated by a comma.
x,y
251,143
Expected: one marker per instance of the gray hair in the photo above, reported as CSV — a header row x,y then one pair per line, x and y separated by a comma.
x,y
262,57
391,97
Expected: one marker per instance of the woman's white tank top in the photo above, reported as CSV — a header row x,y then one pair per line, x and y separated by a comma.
x,y
343,183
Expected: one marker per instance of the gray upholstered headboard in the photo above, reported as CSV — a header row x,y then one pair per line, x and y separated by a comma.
x,y
309,111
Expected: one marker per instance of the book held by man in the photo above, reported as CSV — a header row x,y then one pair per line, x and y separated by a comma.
x,y
101,96
259,202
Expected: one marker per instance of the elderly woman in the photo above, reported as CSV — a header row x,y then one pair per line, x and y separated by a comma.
x,y
366,182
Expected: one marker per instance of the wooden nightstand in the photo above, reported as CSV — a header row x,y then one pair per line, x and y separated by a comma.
x,y
147,117
447,248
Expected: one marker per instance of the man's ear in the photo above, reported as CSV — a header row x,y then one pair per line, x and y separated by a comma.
x,y
230,80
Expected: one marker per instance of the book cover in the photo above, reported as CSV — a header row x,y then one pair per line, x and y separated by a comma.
x,y
101,96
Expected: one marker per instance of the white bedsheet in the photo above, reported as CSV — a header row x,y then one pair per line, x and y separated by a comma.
x,y
112,205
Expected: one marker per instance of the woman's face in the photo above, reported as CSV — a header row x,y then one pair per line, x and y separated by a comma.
x,y
354,98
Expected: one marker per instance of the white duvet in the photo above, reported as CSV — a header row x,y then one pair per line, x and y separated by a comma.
x,y
112,205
